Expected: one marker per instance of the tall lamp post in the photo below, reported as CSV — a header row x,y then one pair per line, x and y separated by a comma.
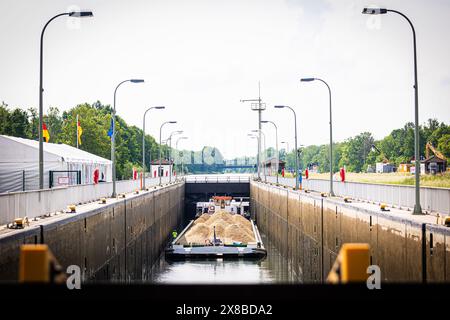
x,y
257,105
170,150
252,136
296,149
160,147
74,14
166,151
276,142
176,147
287,150
143,144
260,132
113,136
417,207
331,131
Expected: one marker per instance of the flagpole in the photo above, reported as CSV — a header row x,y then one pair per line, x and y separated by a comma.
x,y
77,130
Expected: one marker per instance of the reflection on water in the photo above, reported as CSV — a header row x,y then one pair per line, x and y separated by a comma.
x,y
273,269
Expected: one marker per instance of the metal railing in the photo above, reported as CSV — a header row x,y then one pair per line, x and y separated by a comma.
x,y
40,202
401,196
218,178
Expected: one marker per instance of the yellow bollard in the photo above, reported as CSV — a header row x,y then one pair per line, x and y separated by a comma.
x,y
351,264
34,263
447,221
37,264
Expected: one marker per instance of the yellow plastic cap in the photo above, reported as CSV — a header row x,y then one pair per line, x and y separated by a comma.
x,y
355,258
34,263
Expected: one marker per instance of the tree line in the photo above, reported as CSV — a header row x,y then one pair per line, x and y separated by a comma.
x,y
355,153
361,151
95,121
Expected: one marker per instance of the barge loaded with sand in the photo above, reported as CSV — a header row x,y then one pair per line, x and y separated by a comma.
x,y
219,233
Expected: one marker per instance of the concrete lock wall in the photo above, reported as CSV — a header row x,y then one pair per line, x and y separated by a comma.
x,y
309,231
120,241
40,202
400,196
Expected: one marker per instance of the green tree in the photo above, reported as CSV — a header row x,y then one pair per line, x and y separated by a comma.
x,y
13,122
444,145
95,126
4,118
355,154
54,123
18,122
33,124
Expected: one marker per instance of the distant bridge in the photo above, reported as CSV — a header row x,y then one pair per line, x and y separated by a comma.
x,y
217,167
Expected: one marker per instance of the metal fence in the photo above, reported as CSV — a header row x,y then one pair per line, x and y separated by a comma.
x,y
431,199
19,180
40,202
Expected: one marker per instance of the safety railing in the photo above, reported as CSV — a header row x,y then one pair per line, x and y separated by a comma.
x,y
40,202
431,199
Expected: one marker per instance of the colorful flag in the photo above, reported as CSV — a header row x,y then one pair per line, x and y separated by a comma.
x,y
111,128
45,133
79,132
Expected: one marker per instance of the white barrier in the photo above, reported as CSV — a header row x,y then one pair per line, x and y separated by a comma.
x,y
431,199
39,202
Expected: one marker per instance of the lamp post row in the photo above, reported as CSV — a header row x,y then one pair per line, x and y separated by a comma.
x,y
372,11
143,144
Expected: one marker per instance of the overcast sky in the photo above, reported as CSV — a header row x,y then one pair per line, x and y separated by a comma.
x,y
199,58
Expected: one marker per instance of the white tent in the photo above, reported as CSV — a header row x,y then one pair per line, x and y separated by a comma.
x,y
19,169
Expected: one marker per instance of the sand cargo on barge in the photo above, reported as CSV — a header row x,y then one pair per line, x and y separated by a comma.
x,y
218,233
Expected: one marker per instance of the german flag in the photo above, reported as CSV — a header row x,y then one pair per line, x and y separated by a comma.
x,y
45,133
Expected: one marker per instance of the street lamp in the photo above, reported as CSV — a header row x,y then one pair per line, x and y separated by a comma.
x,y
417,207
257,142
286,150
113,135
276,142
143,143
160,147
74,14
166,151
257,105
296,150
176,147
265,150
331,131
170,150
